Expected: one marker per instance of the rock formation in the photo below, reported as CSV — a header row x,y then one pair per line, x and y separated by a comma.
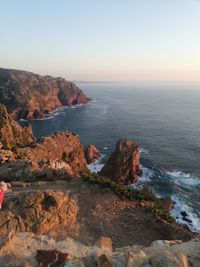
x,y
31,96
11,133
123,165
91,154
167,203
61,153
70,253
37,211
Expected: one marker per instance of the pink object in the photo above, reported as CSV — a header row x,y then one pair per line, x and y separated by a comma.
x,y
1,196
4,186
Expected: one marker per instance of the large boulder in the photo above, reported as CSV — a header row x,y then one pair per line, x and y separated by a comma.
x,y
123,166
91,154
11,133
31,96
37,211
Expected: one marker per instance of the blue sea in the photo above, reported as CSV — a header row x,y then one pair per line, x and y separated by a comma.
x,y
163,118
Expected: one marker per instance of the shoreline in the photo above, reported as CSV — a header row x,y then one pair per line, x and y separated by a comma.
x,y
189,221
51,114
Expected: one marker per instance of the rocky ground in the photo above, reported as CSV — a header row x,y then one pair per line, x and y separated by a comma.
x,y
98,212
75,215
57,209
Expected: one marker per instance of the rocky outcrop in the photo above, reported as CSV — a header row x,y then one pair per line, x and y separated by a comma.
x,y
37,211
72,253
91,154
60,155
11,133
167,203
31,96
123,165
51,257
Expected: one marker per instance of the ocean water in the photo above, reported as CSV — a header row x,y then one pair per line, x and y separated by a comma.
x,y
163,118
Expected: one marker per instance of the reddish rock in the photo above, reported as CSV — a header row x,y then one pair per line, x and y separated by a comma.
x,y
53,258
123,165
167,203
31,96
91,154
37,211
11,133
58,155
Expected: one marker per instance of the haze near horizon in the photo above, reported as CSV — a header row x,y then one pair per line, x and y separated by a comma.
x,y
103,40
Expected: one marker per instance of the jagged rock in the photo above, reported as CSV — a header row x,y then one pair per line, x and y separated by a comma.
x,y
104,261
185,216
6,155
91,154
11,133
77,254
60,154
167,203
31,96
104,242
37,211
51,258
123,165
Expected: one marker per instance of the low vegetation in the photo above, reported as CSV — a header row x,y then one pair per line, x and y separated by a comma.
x,y
130,193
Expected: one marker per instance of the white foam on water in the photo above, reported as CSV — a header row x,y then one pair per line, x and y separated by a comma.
x,y
143,180
181,206
144,151
97,165
182,178
147,174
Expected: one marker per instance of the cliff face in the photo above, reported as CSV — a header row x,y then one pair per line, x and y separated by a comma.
x,y
22,158
91,154
11,133
31,96
123,165
60,155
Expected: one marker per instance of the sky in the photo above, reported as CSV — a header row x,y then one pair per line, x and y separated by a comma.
x,y
102,40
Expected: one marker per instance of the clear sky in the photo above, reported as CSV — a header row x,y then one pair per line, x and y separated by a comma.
x,y
102,40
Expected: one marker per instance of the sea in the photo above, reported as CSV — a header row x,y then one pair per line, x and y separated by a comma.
x,y
162,118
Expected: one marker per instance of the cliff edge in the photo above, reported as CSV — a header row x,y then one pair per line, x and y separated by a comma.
x,y
32,96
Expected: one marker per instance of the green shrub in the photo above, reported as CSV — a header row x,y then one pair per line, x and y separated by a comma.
x,y
127,192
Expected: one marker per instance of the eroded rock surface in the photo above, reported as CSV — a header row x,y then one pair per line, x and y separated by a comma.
x,y
124,163
60,154
37,211
31,96
161,253
91,154
11,133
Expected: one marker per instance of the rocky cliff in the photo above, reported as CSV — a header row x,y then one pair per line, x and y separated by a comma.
x,y
31,96
22,158
123,165
91,154
11,133
58,155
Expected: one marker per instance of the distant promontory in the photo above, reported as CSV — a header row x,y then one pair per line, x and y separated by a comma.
x,y
32,96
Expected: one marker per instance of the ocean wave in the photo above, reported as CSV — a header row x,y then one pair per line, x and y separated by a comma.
x,y
193,220
97,165
144,151
182,178
145,179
